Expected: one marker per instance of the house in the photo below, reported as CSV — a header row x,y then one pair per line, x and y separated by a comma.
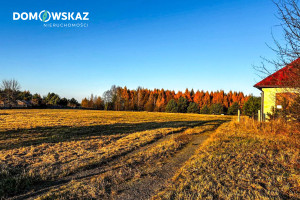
x,y
277,87
23,104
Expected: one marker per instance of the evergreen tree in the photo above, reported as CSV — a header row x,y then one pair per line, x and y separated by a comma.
x,y
172,106
52,99
233,109
182,105
73,103
193,108
252,106
25,95
36,100
216,109
204,110
63,102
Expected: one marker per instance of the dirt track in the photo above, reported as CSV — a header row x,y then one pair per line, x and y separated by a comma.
x,y
147,186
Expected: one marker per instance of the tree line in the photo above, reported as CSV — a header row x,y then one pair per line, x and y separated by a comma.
x,y
141,99
10,94
160,100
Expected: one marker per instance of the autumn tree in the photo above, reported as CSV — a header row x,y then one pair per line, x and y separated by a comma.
x,y
188,95
98,103
118,98
85,103
133,100
170,95
226,101
198,98
141,99
206,99
160,104
125,98
149,106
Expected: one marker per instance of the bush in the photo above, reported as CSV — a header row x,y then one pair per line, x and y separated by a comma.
x,y
204,110
233,109
216,109
193,108
172,106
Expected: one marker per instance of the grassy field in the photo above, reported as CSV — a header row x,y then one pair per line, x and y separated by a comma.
x,y
61,149
84,154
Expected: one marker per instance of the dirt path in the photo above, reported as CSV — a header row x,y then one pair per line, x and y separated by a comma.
x,y
146,187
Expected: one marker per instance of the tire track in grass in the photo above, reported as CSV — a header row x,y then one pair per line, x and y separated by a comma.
x,y
94,168
108,166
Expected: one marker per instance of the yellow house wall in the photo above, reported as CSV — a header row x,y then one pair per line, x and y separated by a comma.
x,y
270,97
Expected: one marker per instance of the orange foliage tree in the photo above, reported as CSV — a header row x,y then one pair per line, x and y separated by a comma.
x,y
143,99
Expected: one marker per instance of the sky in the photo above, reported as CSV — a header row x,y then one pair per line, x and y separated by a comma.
x,y
170,44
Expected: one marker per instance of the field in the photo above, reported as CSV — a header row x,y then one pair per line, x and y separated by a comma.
x,y
84,154
56,154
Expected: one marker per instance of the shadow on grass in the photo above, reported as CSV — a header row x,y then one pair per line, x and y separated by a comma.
x,y
20,185
55,134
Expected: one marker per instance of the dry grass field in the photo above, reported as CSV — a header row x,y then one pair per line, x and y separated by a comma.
x,y
56,154
85,154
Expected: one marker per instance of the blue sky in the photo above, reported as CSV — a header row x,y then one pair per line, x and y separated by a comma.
x,y
200,44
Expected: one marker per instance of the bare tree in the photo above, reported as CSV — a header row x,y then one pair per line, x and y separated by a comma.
x,y
288,51
10,89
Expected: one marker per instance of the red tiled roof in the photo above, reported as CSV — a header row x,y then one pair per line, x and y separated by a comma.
x,y
279,78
